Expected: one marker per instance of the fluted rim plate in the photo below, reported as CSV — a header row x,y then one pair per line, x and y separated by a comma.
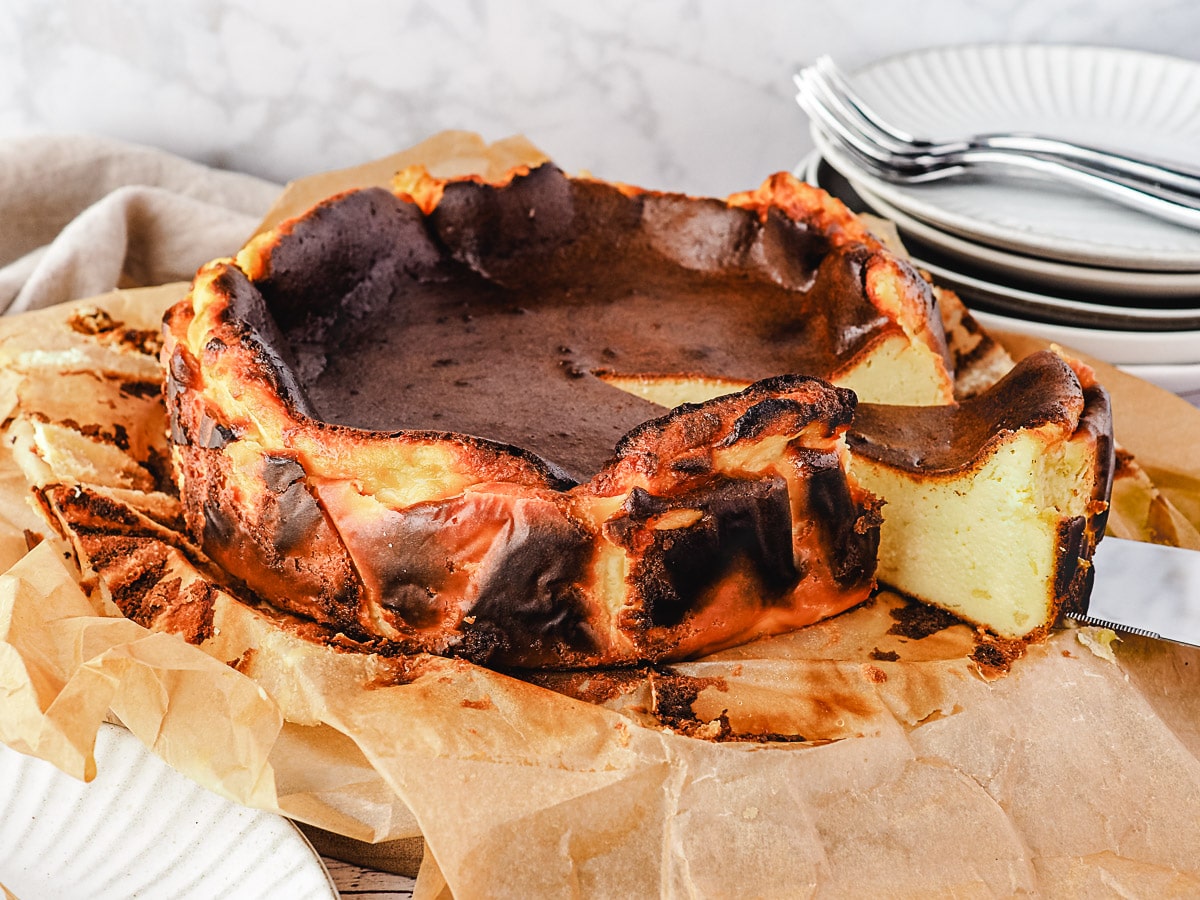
x,y
1129,100
141,829
1101,282
1092,313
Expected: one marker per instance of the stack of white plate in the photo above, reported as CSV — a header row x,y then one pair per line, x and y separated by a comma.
x,y
1030,255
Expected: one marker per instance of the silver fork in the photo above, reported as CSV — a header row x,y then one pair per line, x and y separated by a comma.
x,y
842,117
1155,172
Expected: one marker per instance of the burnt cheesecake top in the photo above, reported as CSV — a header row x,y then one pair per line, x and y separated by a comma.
x,y
1041,391
500,312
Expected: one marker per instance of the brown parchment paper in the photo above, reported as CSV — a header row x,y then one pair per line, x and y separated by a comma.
x,y
897,769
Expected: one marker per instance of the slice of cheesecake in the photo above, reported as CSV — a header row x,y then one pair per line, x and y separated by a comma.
x,y
993,506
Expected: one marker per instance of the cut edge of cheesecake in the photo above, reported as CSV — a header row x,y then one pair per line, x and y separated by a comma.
x,y
993,507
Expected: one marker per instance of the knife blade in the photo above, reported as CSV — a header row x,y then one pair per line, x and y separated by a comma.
x,y
1147,589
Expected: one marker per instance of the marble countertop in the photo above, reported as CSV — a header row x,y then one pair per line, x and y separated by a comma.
x,y
675,94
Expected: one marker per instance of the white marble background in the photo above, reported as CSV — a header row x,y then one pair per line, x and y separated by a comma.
x,y
690,95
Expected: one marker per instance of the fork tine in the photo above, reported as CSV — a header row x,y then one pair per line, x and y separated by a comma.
x,y
828,121
839,84
840,116
841,125
836,95
882,165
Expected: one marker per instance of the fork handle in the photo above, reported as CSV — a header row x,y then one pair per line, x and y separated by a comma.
x,y
1160,174
1161,202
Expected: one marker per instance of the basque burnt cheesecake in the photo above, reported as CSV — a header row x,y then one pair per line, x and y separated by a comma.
x,y
392,417
434,418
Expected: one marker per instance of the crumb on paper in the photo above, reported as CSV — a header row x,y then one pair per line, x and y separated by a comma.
x,y
1098,640
874,674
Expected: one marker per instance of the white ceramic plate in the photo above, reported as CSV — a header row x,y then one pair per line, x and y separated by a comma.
x,y
1047,273
1124,348
1076,313
141,829
1004,297
1129,100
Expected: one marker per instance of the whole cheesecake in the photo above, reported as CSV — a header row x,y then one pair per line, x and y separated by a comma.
x,y
434,419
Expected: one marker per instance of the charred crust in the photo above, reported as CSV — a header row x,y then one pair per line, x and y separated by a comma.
x,y
131,567
280,473
739,523
298,514
211,434
311,575
923,288
849,523
341,249
1078,537
1073,551
183,370
776,405
117,436
91,321
142,390
246,313
691,464
1041,390
765,415
91,513
487,226
141,340
675,694
525,580
994,656
674,697
917,620
481,645
533,594
596,686
1123,463
1097,421
989,656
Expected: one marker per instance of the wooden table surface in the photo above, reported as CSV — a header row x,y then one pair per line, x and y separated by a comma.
x,y
368,884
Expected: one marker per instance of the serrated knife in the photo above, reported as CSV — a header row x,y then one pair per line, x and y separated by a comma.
x,y
1146,589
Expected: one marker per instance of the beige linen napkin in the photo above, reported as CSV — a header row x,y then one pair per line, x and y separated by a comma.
x,y
82,215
